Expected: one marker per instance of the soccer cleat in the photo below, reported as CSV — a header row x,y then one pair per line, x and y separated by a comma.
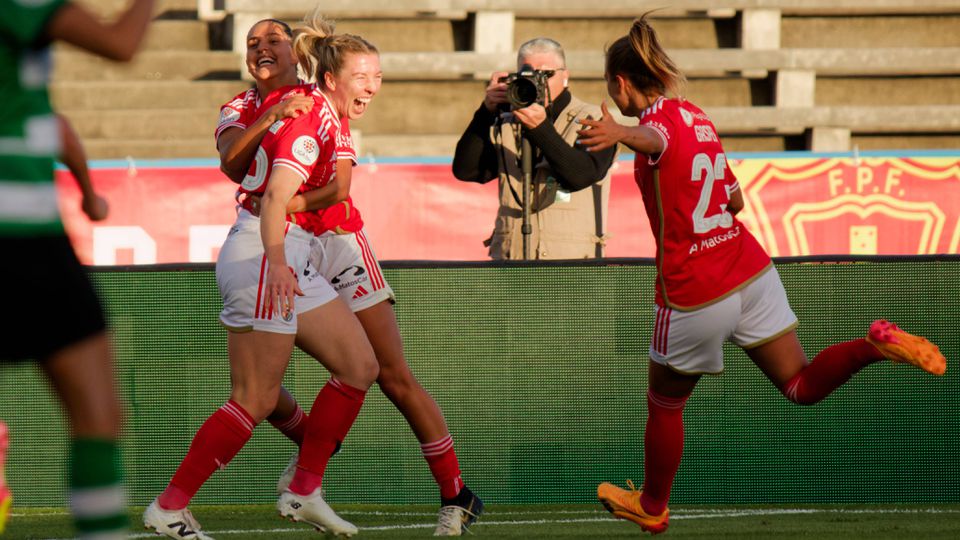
x,y
458,514
314,510
287,475
178,524
6,498
899,346
626,505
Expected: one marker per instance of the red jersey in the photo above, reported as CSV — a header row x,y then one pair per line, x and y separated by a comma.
x,y
703,251
239,112
310,146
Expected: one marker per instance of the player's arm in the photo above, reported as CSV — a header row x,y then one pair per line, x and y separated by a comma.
x,y
327,196
736,201
238,147
118,41
281,284
73,156
606,132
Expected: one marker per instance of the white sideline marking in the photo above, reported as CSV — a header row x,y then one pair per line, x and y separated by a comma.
x,y
693,513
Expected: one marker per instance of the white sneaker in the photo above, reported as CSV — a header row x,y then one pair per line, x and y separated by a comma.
x,y
458,514
178,524
315,511
287,475
450,521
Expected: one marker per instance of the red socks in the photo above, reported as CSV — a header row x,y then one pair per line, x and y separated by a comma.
x,y
444,466
333,413
293,427
663,448
214,445
829,370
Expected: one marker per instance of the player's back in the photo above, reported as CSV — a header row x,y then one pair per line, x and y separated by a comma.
x,y
703,251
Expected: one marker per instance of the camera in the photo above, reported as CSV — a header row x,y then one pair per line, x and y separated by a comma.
x,y
527,86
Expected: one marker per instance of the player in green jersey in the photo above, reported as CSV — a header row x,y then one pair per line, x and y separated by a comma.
x,y
57,319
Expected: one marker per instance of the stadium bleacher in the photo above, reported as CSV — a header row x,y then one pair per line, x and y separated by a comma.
x,y
773,74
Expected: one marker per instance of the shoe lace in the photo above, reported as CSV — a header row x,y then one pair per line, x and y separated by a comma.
x,y
632,487
451,519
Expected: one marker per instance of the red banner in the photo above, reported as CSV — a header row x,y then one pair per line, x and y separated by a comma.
x,y
795,206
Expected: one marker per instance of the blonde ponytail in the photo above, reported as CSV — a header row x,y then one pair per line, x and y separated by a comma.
x,y
309,42
640,57
320,51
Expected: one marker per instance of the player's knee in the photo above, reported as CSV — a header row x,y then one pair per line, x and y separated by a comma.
x,y
396,383
794,393
360,372
257,402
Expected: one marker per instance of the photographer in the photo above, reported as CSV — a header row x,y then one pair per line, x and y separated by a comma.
x,y
568,221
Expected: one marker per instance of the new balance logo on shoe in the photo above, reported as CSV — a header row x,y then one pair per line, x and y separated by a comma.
x,y
361,292
182,529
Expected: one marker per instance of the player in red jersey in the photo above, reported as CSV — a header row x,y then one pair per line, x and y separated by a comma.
x,y
346,258
272,295
243,123
714,282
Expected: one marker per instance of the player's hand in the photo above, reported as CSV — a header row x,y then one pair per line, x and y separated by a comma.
x,y
531,116
282,288
255,204
95,207
496,93
292,107
600,134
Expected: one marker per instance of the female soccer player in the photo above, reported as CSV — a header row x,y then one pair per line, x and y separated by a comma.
x,y
272,293
345,257
714,280
271,61
41,270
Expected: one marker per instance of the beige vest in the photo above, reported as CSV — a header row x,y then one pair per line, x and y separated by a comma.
x,y
565,225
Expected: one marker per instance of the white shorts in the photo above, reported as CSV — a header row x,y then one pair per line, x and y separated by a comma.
x,y
242,269
347,261
692,341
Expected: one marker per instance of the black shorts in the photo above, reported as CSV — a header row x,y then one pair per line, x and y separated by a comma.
x,y
50,302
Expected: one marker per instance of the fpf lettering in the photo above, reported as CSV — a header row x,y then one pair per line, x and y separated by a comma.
x,y
864,181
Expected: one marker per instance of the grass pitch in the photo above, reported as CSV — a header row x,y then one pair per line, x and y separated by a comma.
x,y
552,521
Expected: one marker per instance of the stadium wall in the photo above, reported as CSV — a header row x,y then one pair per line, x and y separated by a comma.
x,y
797,204
541,372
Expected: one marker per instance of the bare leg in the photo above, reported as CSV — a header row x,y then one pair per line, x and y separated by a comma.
x,y
82,375
258,361
396,380
781,359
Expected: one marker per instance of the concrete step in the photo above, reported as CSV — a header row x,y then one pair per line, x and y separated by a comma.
x,y
147,66
111,8
113,95
595,33
906,141
149,148
693,62
177,35
399,35
158,124
833,91
162,35
893,31
430,107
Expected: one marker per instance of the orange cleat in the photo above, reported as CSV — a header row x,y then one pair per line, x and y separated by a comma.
x,y
626,505
899,346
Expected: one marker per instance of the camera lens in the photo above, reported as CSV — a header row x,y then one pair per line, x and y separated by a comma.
x,y
522,92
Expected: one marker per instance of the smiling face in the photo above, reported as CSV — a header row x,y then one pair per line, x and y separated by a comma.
x,y
270,54
352,88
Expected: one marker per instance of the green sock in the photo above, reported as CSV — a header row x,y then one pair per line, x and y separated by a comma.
x,y
96,487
